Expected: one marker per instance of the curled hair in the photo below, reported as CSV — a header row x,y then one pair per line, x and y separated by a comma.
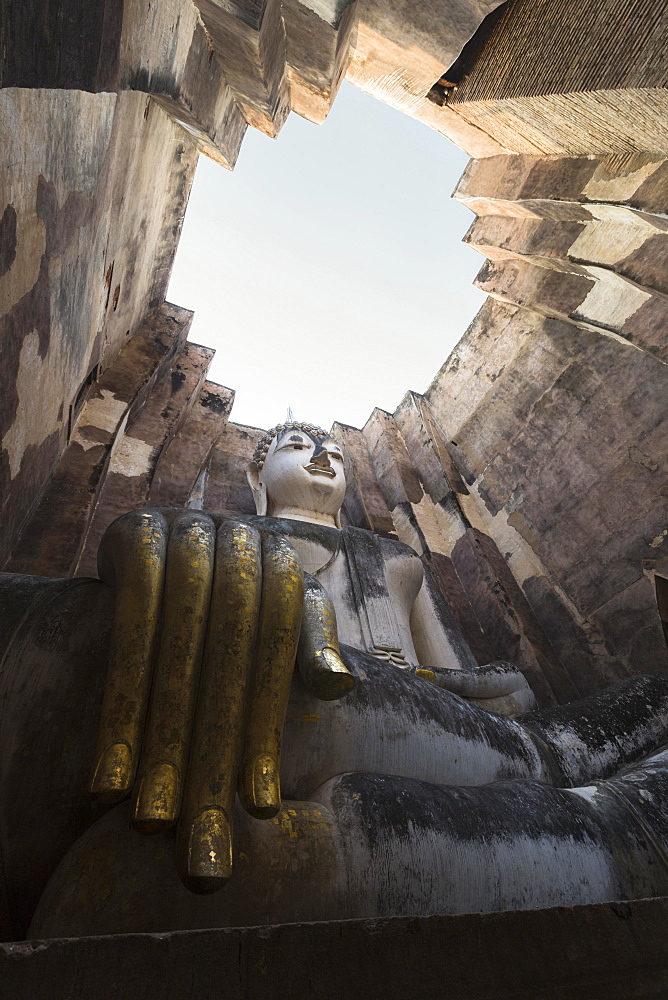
x,y
263,444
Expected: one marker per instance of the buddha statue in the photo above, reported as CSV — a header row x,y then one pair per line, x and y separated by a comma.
x,y
389,774
382,602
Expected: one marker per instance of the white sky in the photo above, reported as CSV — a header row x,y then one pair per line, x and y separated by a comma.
x,y
327,271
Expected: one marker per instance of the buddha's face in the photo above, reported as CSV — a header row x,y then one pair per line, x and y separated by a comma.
x,y
303,471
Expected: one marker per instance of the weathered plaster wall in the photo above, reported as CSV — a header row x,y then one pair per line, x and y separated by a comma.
x,y
546,77
553,403
92,207
564,451
101,116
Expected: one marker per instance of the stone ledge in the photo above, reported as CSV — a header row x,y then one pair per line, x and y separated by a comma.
x,y
609,951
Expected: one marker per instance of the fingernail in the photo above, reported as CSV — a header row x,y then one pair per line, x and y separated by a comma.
x,y
112,776
334,680
334,661
209,859
425,674
265,787
156,803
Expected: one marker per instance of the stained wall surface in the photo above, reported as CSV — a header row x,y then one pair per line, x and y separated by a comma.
x,y
91,209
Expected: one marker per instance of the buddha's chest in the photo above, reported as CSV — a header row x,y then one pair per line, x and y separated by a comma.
x,y
373,583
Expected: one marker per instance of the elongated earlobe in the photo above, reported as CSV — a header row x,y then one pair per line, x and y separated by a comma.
x,y
258,489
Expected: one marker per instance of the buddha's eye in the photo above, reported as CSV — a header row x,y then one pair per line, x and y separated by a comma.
x,y
335,454
299,447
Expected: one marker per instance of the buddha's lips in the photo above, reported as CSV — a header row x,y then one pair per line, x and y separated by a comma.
x,y
319,470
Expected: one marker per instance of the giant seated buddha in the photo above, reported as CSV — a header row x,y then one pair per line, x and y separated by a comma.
x,y
266,719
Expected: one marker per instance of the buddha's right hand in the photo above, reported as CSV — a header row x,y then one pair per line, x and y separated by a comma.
x,y
207,620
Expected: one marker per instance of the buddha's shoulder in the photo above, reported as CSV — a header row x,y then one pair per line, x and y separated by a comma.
x,y
320,534
391,548
331,537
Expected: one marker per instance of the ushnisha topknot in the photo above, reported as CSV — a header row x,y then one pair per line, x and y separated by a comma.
x,y
263,444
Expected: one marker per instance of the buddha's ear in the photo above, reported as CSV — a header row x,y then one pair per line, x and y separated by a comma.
x,y
258,488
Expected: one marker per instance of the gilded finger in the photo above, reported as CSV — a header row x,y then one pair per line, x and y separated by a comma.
x,y
206,825
188,580
278,635
132,561
319,657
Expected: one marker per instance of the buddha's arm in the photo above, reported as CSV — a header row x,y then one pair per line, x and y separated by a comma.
x,y
440,645
437,638
433,639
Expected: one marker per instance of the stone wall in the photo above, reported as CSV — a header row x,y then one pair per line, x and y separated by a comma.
x,y
544,77
608,951
563,425
143,434
102,112
92,208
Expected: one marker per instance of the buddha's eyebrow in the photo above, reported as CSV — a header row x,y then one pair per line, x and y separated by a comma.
x,y
293,438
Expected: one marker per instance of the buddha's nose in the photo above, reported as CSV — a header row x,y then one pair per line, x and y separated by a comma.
x,y
321,457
